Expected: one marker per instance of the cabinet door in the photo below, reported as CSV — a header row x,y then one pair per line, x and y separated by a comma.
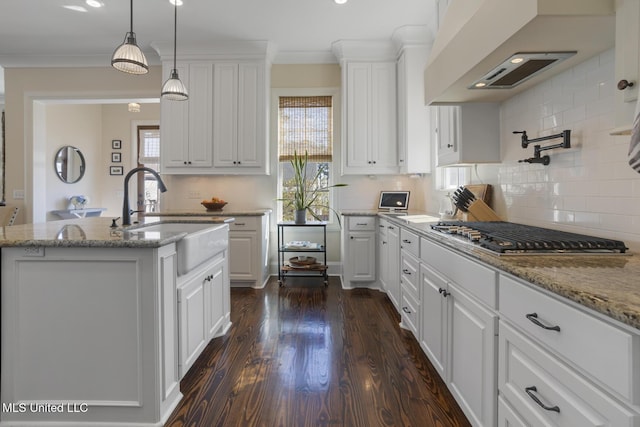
x,y
383,258
192,312
214,294
200,116
446,134
361,256
472,342
383,137
251,116
434,317
357,124
175,127
225,114
393,280
627,57
242,254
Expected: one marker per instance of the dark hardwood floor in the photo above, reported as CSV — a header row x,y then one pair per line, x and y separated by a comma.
x,y
310,355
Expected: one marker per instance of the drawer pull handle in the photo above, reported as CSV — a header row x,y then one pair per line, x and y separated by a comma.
x,y
240,223
405,271
531,390
361,223
391,228
443,292
406,241
533,317
406,310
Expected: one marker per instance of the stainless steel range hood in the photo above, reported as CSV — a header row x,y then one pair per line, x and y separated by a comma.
x,y
477,38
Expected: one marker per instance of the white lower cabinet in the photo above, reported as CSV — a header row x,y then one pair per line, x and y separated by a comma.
x,y
202,309
561,366
359,249
248,250
459,328
544,392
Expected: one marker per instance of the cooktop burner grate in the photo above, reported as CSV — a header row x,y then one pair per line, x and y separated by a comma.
x,y
511,237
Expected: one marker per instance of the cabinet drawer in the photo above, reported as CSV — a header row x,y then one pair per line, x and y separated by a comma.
x,y
605,352
474,278
362,223
409,275
410,242
244,223
410,313
530,378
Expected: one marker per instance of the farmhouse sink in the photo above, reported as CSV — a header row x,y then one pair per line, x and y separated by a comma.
x,y
201,242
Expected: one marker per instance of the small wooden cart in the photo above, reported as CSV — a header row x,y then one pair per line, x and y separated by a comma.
x,y
302,266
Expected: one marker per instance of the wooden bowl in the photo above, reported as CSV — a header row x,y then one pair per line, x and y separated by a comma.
x,y
213,206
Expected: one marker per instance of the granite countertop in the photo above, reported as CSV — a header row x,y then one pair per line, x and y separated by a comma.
x,y
96,232
608,284
205,213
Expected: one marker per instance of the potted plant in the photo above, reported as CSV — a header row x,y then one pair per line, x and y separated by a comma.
x,y
306,190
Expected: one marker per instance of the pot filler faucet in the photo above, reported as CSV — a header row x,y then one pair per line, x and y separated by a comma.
x,y
126,212
537,158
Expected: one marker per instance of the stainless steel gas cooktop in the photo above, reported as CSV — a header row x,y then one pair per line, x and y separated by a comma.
x,y
510,239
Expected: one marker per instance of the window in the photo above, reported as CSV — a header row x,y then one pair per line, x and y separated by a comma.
x,y
452,177
305,124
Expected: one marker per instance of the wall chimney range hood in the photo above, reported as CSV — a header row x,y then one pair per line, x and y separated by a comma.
x,y
478,39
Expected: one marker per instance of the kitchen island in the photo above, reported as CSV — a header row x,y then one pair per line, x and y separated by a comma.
x,y
93,328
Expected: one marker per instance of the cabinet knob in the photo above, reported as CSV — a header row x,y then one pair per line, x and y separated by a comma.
x,y
443,292
351,237
184,162
623,84
405,271
189,161
449,145
406,310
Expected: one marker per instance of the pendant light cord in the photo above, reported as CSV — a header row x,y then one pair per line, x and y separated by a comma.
x,y
131,16
175,32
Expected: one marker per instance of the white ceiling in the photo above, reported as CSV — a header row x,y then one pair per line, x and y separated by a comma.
x,y
43,33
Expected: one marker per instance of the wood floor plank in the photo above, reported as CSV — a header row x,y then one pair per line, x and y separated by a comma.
x,y
309,355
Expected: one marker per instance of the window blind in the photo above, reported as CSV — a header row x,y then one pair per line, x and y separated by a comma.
x,y
305,125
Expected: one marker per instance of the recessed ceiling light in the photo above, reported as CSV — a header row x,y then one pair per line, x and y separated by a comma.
x,y
340,1
176,2
94,3
480,84
517,60
75,8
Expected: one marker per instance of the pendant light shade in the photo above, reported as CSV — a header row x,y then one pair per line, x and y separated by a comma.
x,y
173,89
128,57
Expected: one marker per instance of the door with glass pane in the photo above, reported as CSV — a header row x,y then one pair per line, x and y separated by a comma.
x,y
149,156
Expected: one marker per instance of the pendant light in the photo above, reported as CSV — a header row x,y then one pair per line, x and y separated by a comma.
x,y
128,57
173,88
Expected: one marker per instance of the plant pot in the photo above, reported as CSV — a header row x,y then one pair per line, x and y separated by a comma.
x,y
300,216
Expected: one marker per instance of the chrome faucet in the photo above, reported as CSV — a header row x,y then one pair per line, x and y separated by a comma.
x,y
126,212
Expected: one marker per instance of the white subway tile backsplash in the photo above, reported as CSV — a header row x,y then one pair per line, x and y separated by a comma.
x,y
589,188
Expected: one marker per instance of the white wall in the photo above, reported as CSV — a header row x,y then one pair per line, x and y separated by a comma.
x,y
589,188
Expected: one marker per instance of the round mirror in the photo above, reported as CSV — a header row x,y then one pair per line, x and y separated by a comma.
x,y
69,164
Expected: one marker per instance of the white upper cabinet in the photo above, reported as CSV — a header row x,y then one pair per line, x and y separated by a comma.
x,y
414,138
222,127
467,134
240,117
370,144
186,125
369,129
627,68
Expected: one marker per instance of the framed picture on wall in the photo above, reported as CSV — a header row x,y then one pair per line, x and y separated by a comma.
x,y
116,144
116,157
115,170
